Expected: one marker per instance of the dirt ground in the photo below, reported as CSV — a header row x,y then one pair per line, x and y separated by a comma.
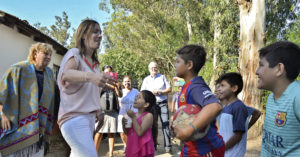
x,y
58,148
253,147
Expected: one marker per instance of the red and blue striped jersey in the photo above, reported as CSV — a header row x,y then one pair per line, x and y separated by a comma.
x,y
197,92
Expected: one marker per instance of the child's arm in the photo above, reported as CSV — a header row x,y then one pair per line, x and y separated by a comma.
x,y
255,115
172,106
239,120
125,130
217,123
234,139
202,119
146,122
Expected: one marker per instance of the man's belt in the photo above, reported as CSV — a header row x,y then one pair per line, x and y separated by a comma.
x,y
162,102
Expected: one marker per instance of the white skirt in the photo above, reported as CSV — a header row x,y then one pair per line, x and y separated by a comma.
x,y
120,126
110,123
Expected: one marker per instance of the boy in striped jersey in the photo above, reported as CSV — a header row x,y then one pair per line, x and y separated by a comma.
x,y
279,66
189,61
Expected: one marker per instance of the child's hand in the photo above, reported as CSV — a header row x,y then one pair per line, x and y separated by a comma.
x,y
171,129
183,133
124,122
171,125
131,114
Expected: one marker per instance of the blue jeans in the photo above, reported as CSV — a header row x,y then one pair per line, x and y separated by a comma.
x,y
78,133
163,112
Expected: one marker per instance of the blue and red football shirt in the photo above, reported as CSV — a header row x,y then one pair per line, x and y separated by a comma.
x,y
197,92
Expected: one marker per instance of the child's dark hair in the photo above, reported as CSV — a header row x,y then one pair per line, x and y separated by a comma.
x,y
106,67
194,53
149,97
232,79
217,81
284,52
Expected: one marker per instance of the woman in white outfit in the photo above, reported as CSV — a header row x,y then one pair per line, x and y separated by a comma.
x,y
126,103
79,81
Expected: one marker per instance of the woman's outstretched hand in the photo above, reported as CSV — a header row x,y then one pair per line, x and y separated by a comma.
x,y
102,80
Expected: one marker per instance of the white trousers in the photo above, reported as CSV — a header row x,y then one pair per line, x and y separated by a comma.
x,y
78,133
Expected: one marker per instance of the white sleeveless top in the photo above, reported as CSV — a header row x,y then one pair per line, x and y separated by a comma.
x,y
127,101
79,98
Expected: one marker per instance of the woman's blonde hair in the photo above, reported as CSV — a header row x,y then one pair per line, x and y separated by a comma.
x,y
84,30
42,47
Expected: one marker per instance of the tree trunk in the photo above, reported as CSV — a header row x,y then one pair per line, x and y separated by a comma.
x,y
189,25
252,22
217,33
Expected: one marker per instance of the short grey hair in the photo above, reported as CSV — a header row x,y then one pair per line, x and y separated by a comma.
x,y
151,63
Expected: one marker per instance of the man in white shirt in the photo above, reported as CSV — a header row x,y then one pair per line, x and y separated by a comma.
x,y
160,87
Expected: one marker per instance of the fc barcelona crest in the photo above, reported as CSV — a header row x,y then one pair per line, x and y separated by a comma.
x,y
182,98
280,118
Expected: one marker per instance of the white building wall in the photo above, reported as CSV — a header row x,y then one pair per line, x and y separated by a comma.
x,y
14,47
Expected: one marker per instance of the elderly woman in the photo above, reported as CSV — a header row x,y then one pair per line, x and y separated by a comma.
x,y
26,104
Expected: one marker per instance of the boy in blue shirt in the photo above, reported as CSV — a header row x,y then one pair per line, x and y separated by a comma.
x,y
279,66
234,119
189,61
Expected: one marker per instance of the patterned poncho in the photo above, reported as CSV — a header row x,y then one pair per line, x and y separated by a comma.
x,y
29,117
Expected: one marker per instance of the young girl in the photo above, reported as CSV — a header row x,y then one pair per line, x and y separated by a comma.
x,y
140,140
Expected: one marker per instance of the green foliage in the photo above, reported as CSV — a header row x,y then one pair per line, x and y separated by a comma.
x,y
130,65
264,97
59,31
43,29
278,16
143,31
103,5
293,33
151,38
